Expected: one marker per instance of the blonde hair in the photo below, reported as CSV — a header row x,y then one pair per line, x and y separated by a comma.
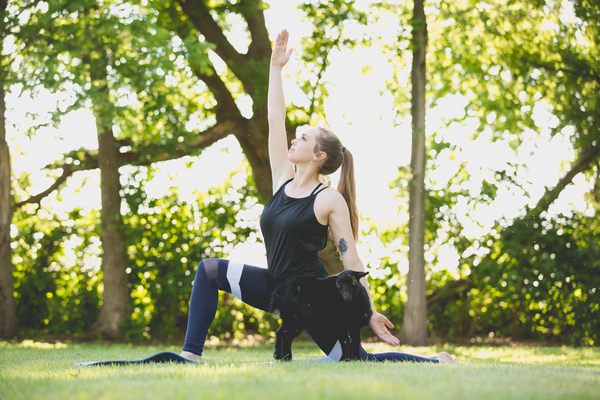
x,y
338,155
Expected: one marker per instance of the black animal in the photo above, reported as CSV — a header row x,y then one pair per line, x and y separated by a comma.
x,y
338,303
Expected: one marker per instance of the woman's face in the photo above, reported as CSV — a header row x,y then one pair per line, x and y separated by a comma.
x,y
302,148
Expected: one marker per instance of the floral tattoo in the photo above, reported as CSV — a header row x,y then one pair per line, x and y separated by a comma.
x,y
343,246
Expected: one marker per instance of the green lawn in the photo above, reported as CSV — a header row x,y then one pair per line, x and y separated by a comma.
x,y
45,371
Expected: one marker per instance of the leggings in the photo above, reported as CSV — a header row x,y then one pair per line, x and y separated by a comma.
x,y
251,285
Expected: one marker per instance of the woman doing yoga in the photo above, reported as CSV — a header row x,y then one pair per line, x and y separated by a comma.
x,y
294,225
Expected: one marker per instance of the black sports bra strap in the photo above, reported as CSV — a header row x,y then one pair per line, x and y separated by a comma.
x,y
313,192
323,188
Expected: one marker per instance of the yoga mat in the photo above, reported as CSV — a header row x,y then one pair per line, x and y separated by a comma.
x,y
158,358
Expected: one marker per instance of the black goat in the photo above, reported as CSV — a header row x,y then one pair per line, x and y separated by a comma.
x,y
339,303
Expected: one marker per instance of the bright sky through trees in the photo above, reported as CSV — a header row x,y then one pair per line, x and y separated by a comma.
x,y
359,109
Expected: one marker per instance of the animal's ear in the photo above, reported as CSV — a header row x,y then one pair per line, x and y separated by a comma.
x,y
360,274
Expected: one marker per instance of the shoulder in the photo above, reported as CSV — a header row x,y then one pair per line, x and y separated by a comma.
x,y
331,199
329,202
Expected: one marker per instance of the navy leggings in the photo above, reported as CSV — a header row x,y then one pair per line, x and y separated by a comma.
x,y
251,285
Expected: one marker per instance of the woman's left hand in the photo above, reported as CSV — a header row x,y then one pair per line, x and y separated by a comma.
x,y
379,325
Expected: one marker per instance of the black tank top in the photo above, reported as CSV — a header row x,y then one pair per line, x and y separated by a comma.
x,y
293,236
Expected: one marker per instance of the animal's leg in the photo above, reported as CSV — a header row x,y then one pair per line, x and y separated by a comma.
x,y
285,335
354,347
346,342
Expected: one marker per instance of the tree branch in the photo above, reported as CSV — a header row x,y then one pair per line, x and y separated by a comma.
x,y
212,80
227,106
203,140
89,160
322,69
260,47
200,17
584,161
67,172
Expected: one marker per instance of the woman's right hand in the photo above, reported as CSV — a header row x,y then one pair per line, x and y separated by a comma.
x,y
281,54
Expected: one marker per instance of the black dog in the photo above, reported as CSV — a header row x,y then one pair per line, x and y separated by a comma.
x,y
339,303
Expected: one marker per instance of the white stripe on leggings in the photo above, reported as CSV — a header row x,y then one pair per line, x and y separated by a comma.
x,y
336,353
234,274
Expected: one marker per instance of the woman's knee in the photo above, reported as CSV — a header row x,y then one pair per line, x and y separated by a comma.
x,y
210,266
208,271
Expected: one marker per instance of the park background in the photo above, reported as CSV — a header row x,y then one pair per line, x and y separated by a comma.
x,y
512,173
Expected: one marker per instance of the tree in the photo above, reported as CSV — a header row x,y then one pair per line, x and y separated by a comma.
x,y
100,68
414,326
8,315
528,55
509,60
114,260
130,54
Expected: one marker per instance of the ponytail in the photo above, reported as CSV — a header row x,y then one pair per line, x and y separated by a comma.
x,y
338,155
347,189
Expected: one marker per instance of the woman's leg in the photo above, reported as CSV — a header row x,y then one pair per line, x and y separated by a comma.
x,y
248,283
331,346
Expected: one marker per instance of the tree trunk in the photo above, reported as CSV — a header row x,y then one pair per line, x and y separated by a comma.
x,y
8,313
115,307
414,327
253,140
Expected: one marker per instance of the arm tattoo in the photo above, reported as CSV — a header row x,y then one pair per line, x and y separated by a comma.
x,y
343,246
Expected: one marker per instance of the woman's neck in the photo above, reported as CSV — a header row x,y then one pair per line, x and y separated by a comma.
x,y
305,178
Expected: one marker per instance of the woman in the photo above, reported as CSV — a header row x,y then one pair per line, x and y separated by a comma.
x,y
294,224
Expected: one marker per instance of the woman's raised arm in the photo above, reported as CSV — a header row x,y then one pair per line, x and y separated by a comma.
x,y
281,167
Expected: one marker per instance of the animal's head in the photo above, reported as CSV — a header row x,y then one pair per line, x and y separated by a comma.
x,y
348,284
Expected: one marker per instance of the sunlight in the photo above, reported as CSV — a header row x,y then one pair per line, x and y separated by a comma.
x,y
360,110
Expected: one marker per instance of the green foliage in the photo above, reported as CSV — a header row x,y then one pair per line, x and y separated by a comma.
x,y
526,55
55,292
57,262
535,280
540,280
336,24
166,239
153,97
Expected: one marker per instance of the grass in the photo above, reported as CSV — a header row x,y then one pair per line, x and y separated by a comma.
x,y
31,370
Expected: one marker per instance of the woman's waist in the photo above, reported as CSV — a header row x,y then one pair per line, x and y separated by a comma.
x,y
307,265
297,259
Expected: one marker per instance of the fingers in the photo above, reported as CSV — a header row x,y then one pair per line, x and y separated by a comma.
x,y
389,339
388,323
282,37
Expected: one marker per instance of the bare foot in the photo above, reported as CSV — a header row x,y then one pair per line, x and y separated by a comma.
x,y
190,356
445,358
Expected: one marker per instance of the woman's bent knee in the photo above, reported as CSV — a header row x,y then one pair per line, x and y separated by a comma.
x,y
208,269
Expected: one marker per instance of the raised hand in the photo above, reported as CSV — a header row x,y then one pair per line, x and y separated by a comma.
x,y
379,325
281,54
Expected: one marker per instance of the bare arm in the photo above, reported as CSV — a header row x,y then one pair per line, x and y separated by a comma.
x,y
339,222
281,167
